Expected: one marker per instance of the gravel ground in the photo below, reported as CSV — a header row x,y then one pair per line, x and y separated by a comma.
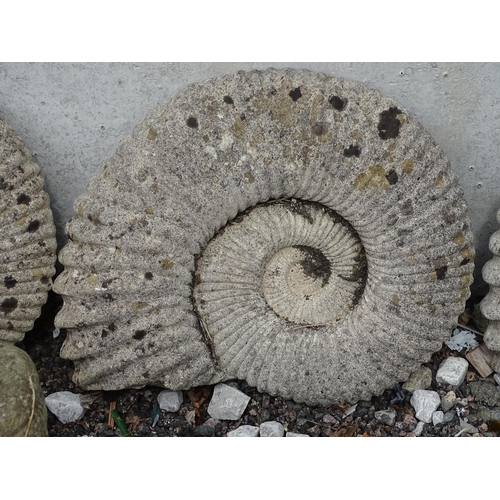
x,y
137,409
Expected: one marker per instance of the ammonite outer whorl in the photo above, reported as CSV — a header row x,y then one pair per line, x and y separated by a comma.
x,y
490,305
295,230
28,244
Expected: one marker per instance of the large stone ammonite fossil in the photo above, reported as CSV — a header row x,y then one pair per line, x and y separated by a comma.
x,y
27,259
295,230
490,305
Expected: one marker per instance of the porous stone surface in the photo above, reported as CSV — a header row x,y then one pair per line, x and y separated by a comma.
x,y
448,401
452,371
387,417
420,379
244,431
28,244
490,305
170,400
227,403
425,404
297,231
485,393
65,405
22,406
271,429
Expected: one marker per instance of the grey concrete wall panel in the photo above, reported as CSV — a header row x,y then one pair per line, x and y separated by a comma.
x,y
295,230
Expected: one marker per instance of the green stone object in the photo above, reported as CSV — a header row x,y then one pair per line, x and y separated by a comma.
x,y
22,405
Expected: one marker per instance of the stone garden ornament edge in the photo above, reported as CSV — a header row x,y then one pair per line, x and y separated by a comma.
x,y
289,228
27,265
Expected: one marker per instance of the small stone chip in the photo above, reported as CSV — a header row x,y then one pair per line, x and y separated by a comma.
x,y
227,403
244,431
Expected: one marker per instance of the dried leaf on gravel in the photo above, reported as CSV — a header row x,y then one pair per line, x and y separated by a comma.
x,y
346,431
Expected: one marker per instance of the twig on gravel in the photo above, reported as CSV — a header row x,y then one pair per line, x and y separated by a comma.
x,y
470,329
32,387
111,420
459,433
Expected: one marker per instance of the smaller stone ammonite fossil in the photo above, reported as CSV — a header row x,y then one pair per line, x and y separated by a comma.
x,y
297,231
490,305
27,259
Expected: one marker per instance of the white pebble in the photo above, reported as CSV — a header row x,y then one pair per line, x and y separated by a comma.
x,y
418,430
296,435
425,404
65,406
170,400
271,429
244,431
227,403
437,418
452,371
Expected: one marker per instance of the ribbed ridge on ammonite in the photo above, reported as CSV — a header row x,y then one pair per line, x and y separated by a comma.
x,y
28,244
490,305
242,194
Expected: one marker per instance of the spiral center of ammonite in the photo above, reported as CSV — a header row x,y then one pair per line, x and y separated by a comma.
x,y
300,259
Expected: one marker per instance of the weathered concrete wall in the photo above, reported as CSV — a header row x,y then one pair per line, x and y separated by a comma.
x,y
72,117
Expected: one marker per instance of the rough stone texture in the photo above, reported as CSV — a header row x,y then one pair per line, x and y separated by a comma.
x,y
296,435
448,401
27,258
28,244
312,152
170,400
65,405
271,429
244,431
22,407
387,417
425,404
437,417
490,305
418,430
421,379
452,371
227,403
485,393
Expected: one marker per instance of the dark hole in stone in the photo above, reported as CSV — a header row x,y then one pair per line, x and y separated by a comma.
x,y
392,177
23,199
10,325
315,264
45,280
9,282
108,297
318,128
388,126
273,91
295,94
228,99
8,305
337,103
464,262
148,275
407,208
139,334
145,374
352,151
441,272
33,226
112,327
3,184
192,122
104,333
243,117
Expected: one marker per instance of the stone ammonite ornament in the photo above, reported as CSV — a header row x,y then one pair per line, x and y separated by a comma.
x,y
27,259
490,305
295,230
